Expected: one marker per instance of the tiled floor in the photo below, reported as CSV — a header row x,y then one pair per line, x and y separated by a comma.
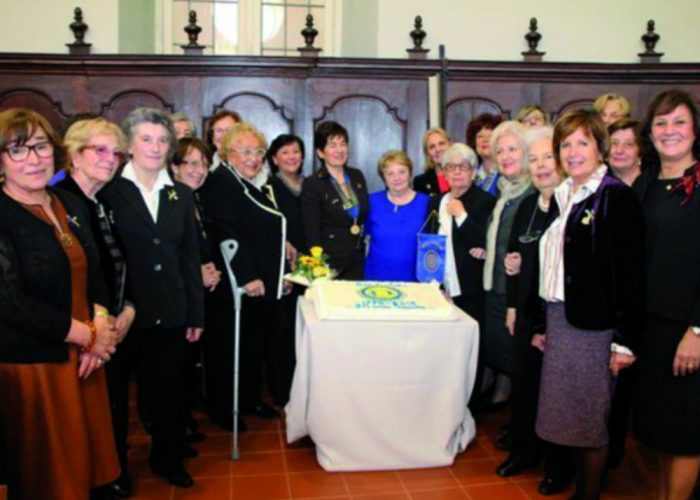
x,y
270,469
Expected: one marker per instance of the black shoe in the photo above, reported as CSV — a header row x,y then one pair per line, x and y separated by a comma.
x,y
189,452
551,486
195,437
122,486
504,443
512,467
174,473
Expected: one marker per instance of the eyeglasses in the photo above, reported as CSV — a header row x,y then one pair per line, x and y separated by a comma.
x,y
104,153
21,153
257,152
453,167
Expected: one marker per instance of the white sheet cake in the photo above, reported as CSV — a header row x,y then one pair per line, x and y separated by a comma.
x,y
380,301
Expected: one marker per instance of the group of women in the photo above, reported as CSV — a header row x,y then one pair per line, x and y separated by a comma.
x,y
573,276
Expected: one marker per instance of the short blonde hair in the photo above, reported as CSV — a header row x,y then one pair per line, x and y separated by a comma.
x,y
525,111
79,134
238,130
602,100
510,128
394,156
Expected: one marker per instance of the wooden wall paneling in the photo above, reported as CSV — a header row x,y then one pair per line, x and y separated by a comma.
x,y
269,103
119,105
35,99
459,112
377,116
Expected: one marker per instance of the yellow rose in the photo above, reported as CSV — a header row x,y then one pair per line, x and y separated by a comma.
x,y
316,252
305,260
319,272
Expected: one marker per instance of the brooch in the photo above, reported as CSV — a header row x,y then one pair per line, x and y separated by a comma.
x,y
588,218
172,195
73,220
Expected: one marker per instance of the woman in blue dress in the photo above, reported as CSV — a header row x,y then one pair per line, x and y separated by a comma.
x,y
395,217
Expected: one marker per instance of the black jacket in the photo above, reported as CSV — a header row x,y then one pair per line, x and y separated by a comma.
x,y
326,224
35,286
604,283
116,299
471,234
165,277
427,183
235,209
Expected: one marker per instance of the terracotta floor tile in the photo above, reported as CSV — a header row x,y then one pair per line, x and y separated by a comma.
x,y
366,483
258,463
476,472
317,484
218,488
384,496
302,460
260,487
448,494
260,441
152,489
428,479
473,452
262,424
206,466
487,444
505,491
215,444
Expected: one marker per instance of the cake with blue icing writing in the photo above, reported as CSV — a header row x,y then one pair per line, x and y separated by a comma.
x,y
380,301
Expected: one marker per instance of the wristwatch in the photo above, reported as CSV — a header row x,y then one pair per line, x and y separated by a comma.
x,y
695,330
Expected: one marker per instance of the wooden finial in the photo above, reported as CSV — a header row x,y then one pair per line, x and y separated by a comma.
x,y
193,31
418,35
533,38
78,27
309,33
650,39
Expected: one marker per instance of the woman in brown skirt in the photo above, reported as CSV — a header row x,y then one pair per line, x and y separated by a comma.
x,y
55,427
592,282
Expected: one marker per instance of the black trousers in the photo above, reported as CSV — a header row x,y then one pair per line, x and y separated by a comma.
x,y
527,365
265,347
160,355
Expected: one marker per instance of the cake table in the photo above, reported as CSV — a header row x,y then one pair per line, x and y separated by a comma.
x,y
376,395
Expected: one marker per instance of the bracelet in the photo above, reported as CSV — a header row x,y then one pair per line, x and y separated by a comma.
x,y
102,312
93,337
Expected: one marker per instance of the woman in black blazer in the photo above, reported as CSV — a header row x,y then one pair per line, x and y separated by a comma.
x,y
154,219
95,149
667,401
461,214
334,204
592,283
241,204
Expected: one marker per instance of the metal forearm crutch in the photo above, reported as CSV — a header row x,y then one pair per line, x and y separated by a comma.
x,y
229,249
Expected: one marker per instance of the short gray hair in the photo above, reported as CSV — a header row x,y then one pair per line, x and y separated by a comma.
x,y
459,153
140,116
533,135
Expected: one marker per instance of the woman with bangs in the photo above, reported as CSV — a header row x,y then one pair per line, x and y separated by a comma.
x,y
55,332
433,181
592,287
479,133
667,405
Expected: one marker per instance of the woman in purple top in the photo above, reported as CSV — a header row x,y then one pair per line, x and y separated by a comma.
x,y
395,217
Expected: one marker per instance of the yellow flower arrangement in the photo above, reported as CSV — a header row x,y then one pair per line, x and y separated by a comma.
x,y
311,267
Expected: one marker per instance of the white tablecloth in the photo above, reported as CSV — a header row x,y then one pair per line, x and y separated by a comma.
x,y
383,395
